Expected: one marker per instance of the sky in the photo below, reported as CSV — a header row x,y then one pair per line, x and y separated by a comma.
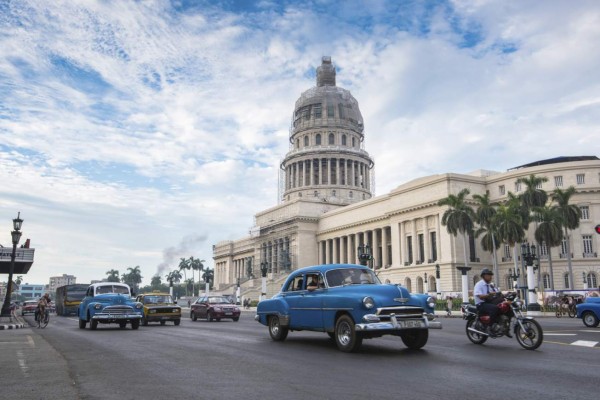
x,y
134,133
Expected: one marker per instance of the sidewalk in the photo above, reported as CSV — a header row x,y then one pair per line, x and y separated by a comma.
x,y
12,322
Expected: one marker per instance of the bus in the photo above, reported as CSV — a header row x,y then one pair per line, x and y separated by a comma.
x,y
68,298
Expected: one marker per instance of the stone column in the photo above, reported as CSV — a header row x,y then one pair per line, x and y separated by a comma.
x,y
384,250
334,249
376,259
403,252
327,253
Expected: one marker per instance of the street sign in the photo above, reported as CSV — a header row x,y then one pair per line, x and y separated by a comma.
x,y
23,260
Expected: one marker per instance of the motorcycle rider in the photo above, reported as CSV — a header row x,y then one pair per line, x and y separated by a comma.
x,y
483,292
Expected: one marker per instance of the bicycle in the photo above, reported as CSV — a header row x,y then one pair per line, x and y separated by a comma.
x,y
42,321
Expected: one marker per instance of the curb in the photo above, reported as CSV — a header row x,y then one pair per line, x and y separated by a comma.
x,y
14,322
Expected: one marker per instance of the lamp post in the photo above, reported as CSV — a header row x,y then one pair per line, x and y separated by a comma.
x,y
16,236
426,283
514,276
585,283
263,283
465,283
529,256
364,254
438,284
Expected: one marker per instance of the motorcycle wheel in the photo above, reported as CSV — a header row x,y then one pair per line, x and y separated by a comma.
x,y
473,336
533,335
572,312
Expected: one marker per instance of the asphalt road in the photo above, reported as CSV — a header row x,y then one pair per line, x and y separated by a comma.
x,y
238,360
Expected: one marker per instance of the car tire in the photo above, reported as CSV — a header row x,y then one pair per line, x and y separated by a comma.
x,y
93,325
135,324
122,325
236,319
346,338
82,323
193,316
415,339
177,322
163,322
277,332
589,319
209,317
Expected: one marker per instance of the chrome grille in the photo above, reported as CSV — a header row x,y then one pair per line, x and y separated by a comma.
x,y
116,310
401,312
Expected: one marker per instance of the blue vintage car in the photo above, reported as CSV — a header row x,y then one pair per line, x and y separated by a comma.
x,y
350,304
589,311
109,302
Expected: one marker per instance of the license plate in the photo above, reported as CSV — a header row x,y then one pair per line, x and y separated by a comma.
x,y
228,313
407,324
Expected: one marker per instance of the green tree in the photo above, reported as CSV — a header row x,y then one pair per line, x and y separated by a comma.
x,y
184,265
533,196
155,282
18,280
570,215
459,217
173,277
485,217
196,265
133,278
509,224
113,276
548,232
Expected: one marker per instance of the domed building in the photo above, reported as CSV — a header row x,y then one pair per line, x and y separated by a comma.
x,y
328,210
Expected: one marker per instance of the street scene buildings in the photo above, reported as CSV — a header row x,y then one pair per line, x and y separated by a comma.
x,y
327,210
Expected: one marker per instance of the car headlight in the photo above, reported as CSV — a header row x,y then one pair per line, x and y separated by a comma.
x,y
431,302
138,305
97,306
152,311
175,310
217,308
368,302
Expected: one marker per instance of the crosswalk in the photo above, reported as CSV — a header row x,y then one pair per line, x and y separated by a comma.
x,y
578,342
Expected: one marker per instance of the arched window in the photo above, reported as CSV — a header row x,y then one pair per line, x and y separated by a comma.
x,y
432,284
546,281
333,193
305,140
509,282
297,143
419,284
591,280
408,284
353,142
343,140
331,138
566,279
318,139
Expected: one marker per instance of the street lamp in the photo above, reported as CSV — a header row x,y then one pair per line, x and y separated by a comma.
x,y
585,283
263,273
16,236
529,256
514,275
425,281
438,284
364,254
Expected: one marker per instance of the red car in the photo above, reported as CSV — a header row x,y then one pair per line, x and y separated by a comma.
x,y
29,306
214,308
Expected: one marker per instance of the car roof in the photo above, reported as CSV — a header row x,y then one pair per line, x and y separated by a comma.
x,y
327,267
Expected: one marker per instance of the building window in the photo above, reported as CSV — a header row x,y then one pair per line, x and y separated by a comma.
x,y
333,193
580,179
353,142
538,186
546,281
585,212
563,247
517,187
340,111
421,247
409,249
305,140
318,139
330,111
317,109
587,244
343,140
566,280
501,190
297,143
543,249
558,181
507,252
331,138
591,280
433,241
509,282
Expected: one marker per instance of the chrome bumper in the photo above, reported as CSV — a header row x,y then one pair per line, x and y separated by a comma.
x,y
104,317
396,324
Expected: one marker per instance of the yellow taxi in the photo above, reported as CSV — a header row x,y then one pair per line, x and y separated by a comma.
x,y
159,307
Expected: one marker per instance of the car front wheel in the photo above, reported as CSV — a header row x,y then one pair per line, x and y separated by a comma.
x,y
278,333
589,319
177,322
93,324
346,338
82,323
135,324
415,339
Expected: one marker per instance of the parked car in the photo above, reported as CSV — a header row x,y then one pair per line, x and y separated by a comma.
x,y
29,307
109,302
350,304
214,308
589,311
159,307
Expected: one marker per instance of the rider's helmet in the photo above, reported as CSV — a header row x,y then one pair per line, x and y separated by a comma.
x,y
486,271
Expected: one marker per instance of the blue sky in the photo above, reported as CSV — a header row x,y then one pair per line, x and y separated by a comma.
x,y
135,133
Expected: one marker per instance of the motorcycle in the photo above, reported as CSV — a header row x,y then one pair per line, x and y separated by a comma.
x,y
510,320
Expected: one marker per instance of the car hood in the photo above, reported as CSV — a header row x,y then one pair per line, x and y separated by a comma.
x,y
112,299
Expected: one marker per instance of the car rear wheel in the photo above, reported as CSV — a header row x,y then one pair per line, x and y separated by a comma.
x,y
277,332
589,319
346,338
415,339
209,317
236,319
135,324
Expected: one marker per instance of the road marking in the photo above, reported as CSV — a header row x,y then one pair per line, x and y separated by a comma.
x,y
589,330
22,363
560,334
30,341
584,343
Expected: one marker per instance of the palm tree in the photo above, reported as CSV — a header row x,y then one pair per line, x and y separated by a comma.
x,y
458,218
173,276
208,277
155,282
18,280
533,195
113,276
570,215
184,265
134,277
485,217
196,265
509,225
548,232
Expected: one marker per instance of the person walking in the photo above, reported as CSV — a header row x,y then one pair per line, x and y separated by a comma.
x,y
449,306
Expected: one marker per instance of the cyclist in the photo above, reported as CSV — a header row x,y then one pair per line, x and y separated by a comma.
x,y
42,305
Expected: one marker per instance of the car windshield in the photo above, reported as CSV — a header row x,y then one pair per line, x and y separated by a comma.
x,y
72,296
157,299
351,276
112,289
217,300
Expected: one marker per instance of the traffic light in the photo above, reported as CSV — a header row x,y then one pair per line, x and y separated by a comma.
x,y
597,228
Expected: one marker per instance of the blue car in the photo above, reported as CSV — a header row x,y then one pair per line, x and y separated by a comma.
x,y
589,312
109,302
350,304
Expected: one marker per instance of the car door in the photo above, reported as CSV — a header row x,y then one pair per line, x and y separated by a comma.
x,y
306,309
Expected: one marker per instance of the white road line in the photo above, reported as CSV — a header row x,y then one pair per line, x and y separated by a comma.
x,y
589,330
31,342
560,334
584,343
22,363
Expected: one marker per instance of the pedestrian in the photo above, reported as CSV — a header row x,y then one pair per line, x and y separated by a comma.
x,y
449,306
